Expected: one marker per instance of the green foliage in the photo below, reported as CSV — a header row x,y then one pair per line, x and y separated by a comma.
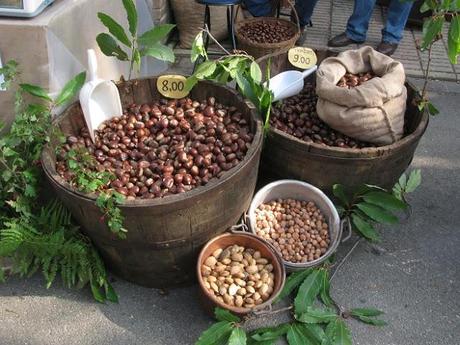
x,y
432,32
312,324
40,237
147,44
371,205
51,241
86,178
238,337
225,315
240,68
407,185
218,333
9,71
308,291
293,282
270,333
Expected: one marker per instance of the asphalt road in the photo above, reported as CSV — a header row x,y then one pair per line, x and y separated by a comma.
x,y
413,275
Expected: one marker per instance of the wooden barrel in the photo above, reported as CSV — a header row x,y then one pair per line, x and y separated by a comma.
x,y
285,156
166,234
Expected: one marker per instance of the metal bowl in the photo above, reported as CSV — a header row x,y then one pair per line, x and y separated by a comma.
x,y
298,190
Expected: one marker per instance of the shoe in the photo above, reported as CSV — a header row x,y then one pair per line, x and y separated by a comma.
x,y
341,40
387,48
302,38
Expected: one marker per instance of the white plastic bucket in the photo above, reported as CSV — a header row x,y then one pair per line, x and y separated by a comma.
x,y
298,190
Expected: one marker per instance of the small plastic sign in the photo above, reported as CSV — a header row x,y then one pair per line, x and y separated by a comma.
x,y
172,86
302,57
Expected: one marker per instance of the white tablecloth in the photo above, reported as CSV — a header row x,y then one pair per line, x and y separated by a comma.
x,y
51,48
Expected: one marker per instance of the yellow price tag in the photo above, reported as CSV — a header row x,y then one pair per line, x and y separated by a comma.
x,y
302,57
172,86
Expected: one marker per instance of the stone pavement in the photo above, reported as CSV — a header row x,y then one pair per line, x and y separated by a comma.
x,y
330,18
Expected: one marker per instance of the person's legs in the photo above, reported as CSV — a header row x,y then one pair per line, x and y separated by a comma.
x,y
259,8
358,23
398,12
304,10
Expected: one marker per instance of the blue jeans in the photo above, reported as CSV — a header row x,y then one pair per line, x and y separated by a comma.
x,y
262,8
358,23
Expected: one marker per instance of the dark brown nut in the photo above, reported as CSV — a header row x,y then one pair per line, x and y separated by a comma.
x,y
167,147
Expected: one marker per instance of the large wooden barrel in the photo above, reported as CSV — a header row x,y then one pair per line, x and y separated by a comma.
x,y
285,156
165,234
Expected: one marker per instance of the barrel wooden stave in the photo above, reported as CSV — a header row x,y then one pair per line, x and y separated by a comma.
x,y
164,235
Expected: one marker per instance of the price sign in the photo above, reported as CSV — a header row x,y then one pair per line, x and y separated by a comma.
x,y
172,86
302,57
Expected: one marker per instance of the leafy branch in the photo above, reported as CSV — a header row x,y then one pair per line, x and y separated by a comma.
x,y
238,67
372,205
432,32
34,236
313,320
88,179
147,44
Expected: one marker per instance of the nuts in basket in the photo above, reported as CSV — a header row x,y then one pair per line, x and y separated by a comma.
x,y
238,276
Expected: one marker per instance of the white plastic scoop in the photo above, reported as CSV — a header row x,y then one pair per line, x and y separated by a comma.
x,y
289,83
99,99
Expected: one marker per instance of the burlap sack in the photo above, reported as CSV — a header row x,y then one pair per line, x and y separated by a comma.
x,y
189,17
373,111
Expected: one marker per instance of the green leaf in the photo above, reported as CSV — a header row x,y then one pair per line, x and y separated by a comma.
x,y
366,312
114,28
292,282
238,337
246,89
225,315
216,334
2,275
314,315
307,292
137,58
403,181
97,294
431,29
36,91
131,12
385,200
110,293
109,47
325,288
338,333
270,333
191,82
256,73
370,321
71,88
339,193
160,52
364,228
155,35
206,69
377,213
415,179
432,109
313,332
295,336
198,48
425,7
6,175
